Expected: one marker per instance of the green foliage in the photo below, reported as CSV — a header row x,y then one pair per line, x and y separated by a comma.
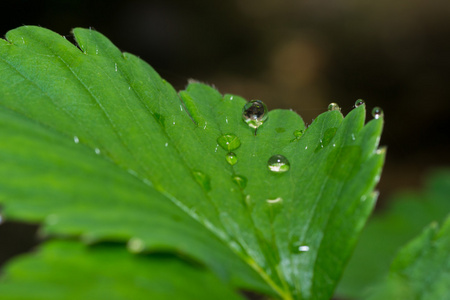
x,y
384,234
97,147
421,269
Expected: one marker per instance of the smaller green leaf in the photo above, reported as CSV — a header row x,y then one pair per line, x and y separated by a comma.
x,y
387,231
106,272
421,269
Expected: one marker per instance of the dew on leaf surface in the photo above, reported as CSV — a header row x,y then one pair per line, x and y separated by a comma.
x,y
298,133
278,163
203,180
359,102
241,181
97,151
333,106
299,247
377,112
135,245
76,139
231,158
229,142
254,113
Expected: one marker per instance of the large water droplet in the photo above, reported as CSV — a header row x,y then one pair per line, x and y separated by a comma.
x,y
203,180
333,106
135,245
229,142
254,113
359,102
377,113
241,181
278,163
231,158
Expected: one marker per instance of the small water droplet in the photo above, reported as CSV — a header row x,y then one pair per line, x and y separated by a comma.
x,y
203,180
278,163
353,136
231,158
333,106
129,88
298,133
115,67
274,201
306,147
363,198
377,113
380,151
166,144
181,107
76,140
254,113
96,50
206,123
229,142
298,247
226,120
359,102
135,245
217,147
173,123
241,181
97,151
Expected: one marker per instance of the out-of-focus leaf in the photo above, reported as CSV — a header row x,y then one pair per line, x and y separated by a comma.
x,y
391,228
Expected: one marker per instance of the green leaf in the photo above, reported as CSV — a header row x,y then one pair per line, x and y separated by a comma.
x,y
421,269
390,229
71,270
147,165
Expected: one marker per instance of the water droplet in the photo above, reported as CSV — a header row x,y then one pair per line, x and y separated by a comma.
x,y
115,67
181,107
217,147
203,180
226,120
97,151
363,198
359,102
274,201
229,142
380,151
298,133
135,245
241,181
353,136
333,106
129,88
206,123
278,163
76,140
298,247
377,113
306,148
254,113
166,144
231,158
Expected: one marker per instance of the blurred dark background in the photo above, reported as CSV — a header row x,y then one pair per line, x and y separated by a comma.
x,y
290,54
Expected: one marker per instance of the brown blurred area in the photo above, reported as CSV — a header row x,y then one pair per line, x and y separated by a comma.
x,y
292,54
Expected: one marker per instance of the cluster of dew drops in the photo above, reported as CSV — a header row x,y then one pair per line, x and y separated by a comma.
x,y
254,114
